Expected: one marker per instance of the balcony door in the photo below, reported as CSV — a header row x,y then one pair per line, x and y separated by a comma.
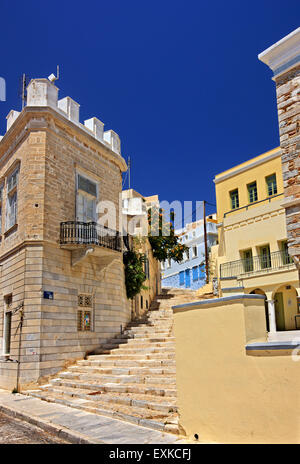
x,y
86,200
265,257
248,261
279,311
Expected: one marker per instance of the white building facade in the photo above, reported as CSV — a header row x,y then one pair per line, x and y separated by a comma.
x,y
191,273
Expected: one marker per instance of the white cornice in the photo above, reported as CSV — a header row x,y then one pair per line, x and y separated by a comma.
x,y
284,54
242,168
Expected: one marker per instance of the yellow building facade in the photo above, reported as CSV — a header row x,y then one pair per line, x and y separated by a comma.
x,y
252,254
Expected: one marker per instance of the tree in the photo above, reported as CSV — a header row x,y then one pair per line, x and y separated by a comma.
x,y
164,246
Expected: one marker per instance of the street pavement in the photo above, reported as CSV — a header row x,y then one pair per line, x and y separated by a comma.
x,y
15,432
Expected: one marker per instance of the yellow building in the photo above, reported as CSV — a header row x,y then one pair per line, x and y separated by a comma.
x,y
252,256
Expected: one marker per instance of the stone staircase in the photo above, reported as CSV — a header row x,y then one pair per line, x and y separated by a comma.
x,y
133,377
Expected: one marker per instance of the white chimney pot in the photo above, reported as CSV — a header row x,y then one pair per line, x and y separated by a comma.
x,y
70,107
41,92
96,126
10,118
113,139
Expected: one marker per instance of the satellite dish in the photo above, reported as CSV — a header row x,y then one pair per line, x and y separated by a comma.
x,y
52,77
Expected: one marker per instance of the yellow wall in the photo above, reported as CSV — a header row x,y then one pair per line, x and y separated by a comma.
x,y
241,180
253,228
225,395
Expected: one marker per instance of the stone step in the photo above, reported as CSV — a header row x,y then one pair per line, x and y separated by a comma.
x,y
122,370
166,379
163,404
152,390
139,416
132,357
140,350
153,340
149,363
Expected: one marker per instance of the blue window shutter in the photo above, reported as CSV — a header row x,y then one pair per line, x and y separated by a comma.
x,y
181,278
195,273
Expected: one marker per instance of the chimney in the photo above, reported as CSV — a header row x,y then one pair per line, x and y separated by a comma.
x,y
95,126
41,92
113,140
70,107
284,60
10,118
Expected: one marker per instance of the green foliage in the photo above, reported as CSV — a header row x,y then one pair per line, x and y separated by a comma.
x,y
134,273
164,243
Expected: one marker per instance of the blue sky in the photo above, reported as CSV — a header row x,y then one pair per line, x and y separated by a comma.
x,y
180,82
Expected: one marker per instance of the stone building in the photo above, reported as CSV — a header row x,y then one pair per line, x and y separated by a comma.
x,y
59,268
284,60
135,215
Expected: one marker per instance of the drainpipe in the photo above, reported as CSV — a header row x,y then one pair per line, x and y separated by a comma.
x,y
205,244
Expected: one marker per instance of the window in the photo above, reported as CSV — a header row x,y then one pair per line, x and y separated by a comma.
x,y
169,262
201,271
146,267
1,199
141,301
195,273
181,278
163,265
252,192
195,251
12,200
248,260
286,258
265,257
84,316
86,200
234,197
271,185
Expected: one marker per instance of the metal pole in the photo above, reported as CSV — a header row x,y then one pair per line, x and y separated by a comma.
x,y
19,350
129,166
205,244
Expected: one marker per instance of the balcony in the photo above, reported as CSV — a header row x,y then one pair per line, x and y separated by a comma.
x,y
261,264
75,233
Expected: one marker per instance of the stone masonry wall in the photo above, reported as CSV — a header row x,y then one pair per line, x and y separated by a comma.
x,y
48,152
288,103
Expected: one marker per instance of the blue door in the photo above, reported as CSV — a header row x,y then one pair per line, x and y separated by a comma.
x,y
187,278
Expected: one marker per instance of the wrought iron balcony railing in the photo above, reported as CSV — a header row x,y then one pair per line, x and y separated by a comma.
x,y
256,264
89,233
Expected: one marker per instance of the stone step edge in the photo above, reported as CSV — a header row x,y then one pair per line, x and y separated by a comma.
x,y
113,399
147,423
109,386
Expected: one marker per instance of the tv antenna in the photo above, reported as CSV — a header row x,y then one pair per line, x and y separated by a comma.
x,y
24,81
52,78
129,168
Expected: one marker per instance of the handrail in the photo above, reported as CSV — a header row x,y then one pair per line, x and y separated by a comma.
x,y
89,233
254,203
260,263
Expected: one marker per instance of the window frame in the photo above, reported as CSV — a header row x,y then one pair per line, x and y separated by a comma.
x,y
86,197
274,190
87,307
11,192
250,192
232,198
